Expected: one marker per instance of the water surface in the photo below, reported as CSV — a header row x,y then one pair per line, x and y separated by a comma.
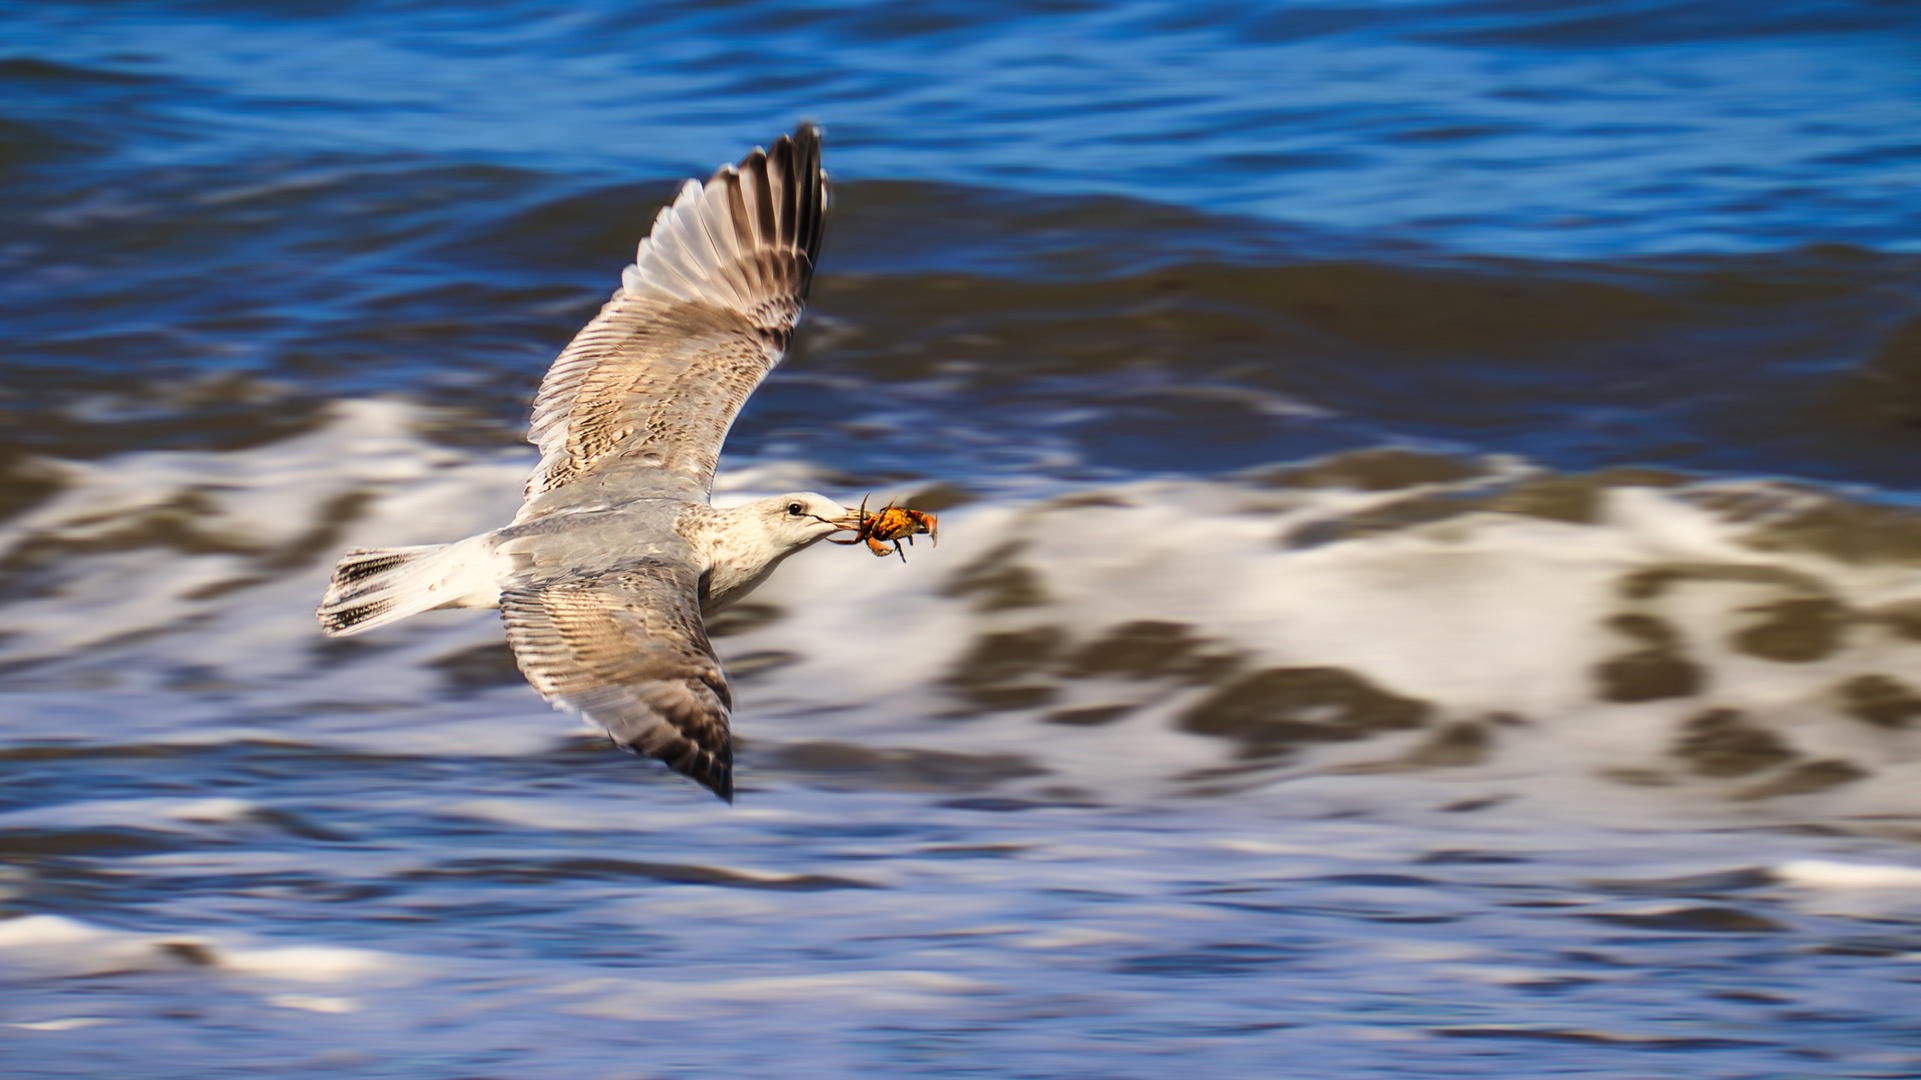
x,y
1427,582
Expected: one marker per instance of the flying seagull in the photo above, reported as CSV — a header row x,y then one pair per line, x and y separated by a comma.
x,y
605,575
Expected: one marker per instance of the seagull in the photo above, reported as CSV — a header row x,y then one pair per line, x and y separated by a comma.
x,y
606,574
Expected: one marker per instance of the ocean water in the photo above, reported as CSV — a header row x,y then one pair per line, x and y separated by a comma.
x,y
1429,581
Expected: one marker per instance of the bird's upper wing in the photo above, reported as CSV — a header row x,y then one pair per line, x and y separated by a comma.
x,y
642,398
626,647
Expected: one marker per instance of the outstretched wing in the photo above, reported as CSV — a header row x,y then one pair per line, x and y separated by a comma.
x,y
626,648
643,396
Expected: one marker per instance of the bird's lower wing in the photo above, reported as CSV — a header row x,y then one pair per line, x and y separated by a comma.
x,y
626,647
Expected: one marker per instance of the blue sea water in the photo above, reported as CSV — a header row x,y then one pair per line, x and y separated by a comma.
x,y
1427,588
1534,129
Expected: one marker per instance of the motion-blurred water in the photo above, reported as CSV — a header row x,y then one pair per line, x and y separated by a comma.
x,y
1427,583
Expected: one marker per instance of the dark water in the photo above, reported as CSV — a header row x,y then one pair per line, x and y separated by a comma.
x,y
1429,585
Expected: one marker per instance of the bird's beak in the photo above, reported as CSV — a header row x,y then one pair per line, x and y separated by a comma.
x,y
850,523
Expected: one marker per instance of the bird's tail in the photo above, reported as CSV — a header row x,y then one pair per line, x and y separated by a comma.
x,y
372,587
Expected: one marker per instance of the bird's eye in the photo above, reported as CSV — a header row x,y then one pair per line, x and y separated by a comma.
x,y
795,509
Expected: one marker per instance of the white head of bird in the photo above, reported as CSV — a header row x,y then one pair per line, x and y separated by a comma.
x,y
754,537
787,523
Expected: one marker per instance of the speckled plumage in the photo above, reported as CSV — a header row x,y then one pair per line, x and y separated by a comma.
x,y
604,576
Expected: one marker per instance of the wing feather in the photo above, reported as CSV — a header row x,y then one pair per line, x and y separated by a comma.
x,y
690,219
737,194
626,648
645,394
717,222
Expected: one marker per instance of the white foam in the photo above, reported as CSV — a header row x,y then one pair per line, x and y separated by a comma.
x,y
1826,874
316,1003
1076,937
256,500
65,1023
216,810
571,816
162,814
1477,615
308,963
860,991
1485,614
58,946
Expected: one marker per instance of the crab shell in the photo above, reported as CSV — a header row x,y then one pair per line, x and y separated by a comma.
x,y
896,522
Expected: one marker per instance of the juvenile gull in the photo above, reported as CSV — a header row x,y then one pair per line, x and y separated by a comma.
x,y
604,576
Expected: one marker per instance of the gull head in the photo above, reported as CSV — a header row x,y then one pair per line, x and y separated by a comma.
x,y
790,522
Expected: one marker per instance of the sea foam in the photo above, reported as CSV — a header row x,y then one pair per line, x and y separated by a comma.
x,y
1478,629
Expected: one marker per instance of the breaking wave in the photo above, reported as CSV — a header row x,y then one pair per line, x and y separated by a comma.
x,y
1383,627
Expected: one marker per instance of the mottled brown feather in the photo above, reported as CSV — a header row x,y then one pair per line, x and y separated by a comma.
x,y
626,647
703,315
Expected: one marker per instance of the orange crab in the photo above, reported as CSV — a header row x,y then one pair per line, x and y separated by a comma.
x,y
890,525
